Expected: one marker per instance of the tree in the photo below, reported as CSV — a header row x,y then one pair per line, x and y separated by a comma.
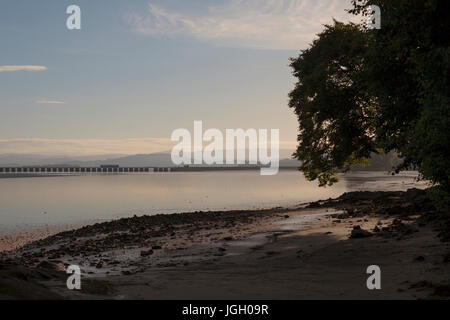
x,y
361,91
335,112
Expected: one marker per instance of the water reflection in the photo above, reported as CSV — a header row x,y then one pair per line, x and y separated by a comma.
x,y
80,199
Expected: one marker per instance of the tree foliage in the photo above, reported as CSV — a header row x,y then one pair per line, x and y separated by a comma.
x,y
331,102
361,91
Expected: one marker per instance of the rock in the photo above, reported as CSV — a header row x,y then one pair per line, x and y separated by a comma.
x,y
314,205
422,284
146,253
351,211
357,232
420,258
99,264
228,238
446,258
343,216
442,291
222,249
45,264
376,229
156,247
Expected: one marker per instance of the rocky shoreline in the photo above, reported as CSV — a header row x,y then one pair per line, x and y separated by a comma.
x,y
151,232
142,248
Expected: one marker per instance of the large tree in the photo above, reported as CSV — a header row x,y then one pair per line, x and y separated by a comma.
x,y
361,91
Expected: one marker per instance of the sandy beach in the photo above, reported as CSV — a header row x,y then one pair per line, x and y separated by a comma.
x,y
313,251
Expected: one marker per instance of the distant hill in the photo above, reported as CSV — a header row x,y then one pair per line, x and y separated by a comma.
x,y
380,162
160,159
138,160
12,159
163,159
289,163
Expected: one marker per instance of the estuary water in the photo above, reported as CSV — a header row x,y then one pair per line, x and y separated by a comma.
x,y
27,203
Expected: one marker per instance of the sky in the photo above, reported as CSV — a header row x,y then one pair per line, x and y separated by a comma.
x,y
139,69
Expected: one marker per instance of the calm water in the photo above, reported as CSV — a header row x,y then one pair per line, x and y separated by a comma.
x,y
35,202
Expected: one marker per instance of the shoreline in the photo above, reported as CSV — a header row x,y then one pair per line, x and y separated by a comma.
x,y
13,236
319,250
16,240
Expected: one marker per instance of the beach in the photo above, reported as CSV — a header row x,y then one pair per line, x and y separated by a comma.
x,y
319,250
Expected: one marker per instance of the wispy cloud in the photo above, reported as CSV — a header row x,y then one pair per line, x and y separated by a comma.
x,y
22,68
89,147
84,146
45,101
263,24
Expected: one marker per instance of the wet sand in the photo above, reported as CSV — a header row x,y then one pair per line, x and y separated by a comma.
x,y
282,253
15,239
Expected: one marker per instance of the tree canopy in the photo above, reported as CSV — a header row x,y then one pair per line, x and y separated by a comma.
x,y
361,91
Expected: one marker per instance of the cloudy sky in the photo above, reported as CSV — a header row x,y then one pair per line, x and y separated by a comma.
x,y
139,69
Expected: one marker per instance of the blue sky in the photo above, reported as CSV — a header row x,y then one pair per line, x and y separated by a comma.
x,y
137,70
